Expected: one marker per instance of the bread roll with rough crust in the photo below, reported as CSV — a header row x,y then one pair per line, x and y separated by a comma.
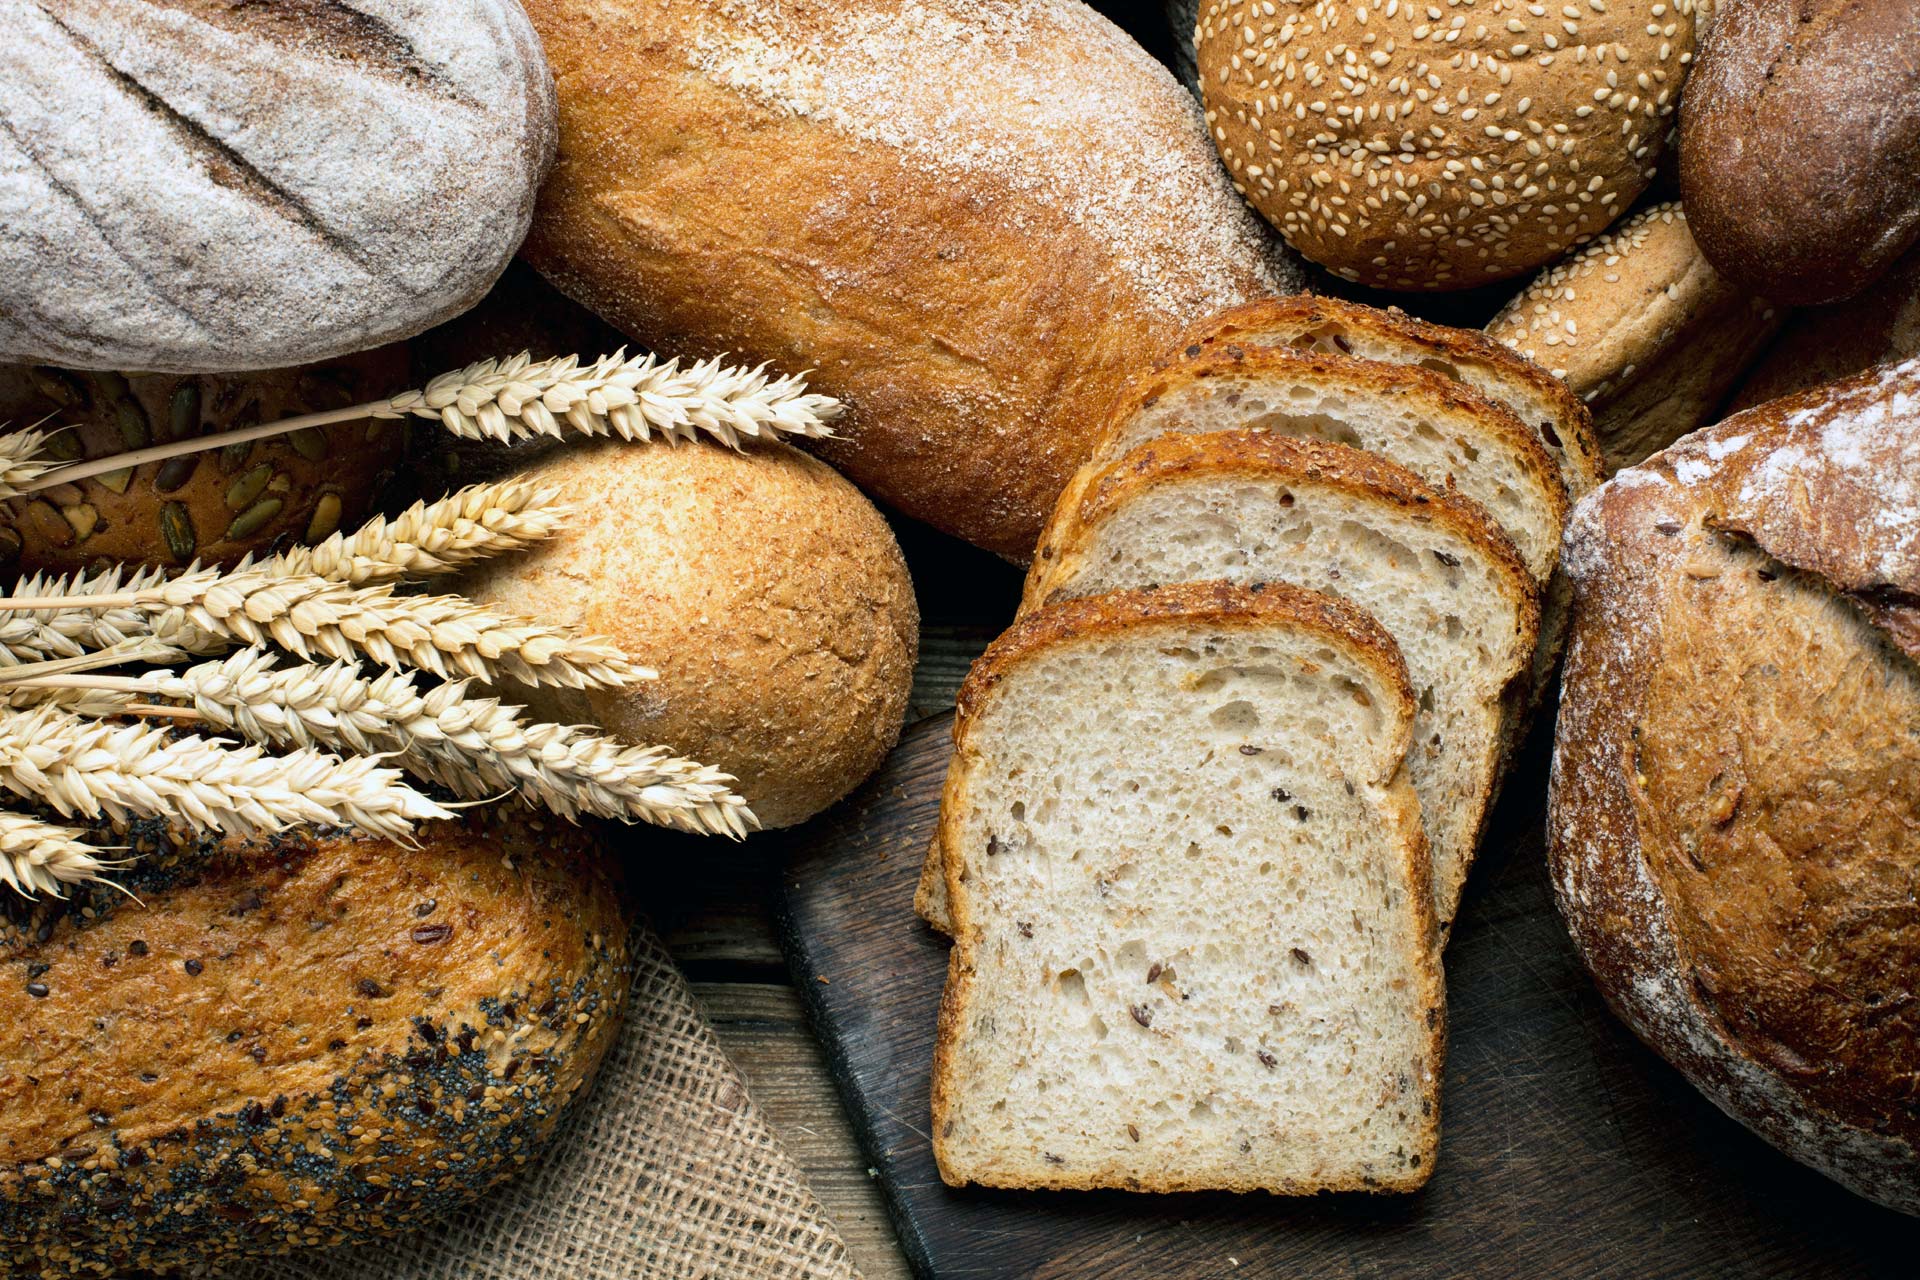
x,y
318,1038
1825,344
1800,144
1734,829
768,594
200,185
1641,327
1408,146
967,218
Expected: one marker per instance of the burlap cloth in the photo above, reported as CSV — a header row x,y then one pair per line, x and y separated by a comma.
x,y
668,1172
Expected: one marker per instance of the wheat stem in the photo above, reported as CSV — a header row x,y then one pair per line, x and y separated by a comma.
x,y
39,857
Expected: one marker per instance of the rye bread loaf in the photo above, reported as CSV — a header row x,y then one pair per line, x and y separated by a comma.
x,y
1643,328
967,218
216,506
1825,344
199,185
1734,829
1195,943
1417,146
1800,144
767,593
312,1039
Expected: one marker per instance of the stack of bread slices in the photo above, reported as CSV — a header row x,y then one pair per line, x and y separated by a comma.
x,y
1215,796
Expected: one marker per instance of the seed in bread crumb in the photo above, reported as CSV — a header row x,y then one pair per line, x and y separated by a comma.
x,y
1141,1014
1301,956
1133,1131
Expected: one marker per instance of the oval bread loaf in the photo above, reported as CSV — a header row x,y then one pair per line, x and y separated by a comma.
x,y
197,186
313,1039
1409,146
967,218
1734,829
767,593
1800,144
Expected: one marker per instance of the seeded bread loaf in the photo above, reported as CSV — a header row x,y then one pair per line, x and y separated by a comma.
x,y
1800,144
313,1039
214,507
1826,344
1432,570
1194,940
1734,828
1641,327
199,185
1410,146
967,218
767,593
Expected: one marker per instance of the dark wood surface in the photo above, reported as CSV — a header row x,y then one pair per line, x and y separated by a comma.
x,y
1567,1149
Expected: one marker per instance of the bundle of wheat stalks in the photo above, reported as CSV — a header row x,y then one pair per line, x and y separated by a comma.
x,y
86,741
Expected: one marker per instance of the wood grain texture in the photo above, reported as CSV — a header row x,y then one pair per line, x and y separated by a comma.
x,y
1567,1149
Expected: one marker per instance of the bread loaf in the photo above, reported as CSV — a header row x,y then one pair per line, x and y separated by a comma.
x,y
1800,144
1826,344
313,1039
207,186
1194,940
967,217
1410,146
1640,326
767,593
213,507
1735,809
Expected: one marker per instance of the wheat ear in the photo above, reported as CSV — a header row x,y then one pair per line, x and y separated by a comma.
x,y
38,857
520,397
86,767
474,746
20,464
72,623
431,538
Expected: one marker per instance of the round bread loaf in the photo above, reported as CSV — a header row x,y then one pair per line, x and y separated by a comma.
x,y
768,594
1825,344
314,1039
1641,327
1409,145
1734,823
215,506
1800,144
196,186
967,218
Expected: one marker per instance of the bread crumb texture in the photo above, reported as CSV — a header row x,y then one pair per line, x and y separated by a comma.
x,y
1415,145
313,1039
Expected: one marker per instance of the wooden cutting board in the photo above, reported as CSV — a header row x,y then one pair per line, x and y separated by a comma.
x,y
1567,1149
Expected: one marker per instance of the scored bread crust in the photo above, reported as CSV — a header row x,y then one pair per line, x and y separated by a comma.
x,y
1181,609
1741,911
1467,355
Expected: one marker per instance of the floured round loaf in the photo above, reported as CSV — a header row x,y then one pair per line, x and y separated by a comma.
x,y
768,594
195,185
1734,826
1418,146
970,219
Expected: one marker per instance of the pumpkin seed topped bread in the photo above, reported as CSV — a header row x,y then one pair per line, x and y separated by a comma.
x,y
311,1039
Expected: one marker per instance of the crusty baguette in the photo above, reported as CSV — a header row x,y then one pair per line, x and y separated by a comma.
x,y
1113,1017
1430,568
1734,822
967,218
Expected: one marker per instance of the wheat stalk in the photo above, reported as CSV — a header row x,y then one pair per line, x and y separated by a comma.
x,y
86,767
431,538
39,857
520,398
474,746
19,462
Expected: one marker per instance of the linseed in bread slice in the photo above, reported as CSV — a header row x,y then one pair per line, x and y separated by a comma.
x,y
1433,570
1195,938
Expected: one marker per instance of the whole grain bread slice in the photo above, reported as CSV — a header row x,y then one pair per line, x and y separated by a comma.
x,y
1195,940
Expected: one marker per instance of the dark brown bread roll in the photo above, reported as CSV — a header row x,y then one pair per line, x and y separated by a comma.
x,y
214,506
1800,144
313,1039
1734,828
1825,344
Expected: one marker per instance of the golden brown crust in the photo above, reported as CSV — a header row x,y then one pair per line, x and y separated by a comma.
x,y
798,190
1306,318
767,593
216,506
310,1039
1735,808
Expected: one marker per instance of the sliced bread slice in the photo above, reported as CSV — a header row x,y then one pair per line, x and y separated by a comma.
x,y
1433,570
1195,938
1450,436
